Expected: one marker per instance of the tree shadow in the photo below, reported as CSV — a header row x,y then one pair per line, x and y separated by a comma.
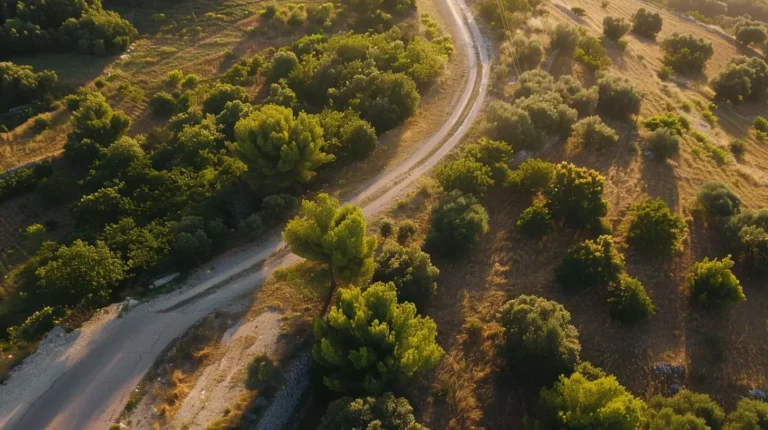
x,y
659,181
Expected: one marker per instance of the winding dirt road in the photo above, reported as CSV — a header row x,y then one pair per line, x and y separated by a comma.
x,y
86,384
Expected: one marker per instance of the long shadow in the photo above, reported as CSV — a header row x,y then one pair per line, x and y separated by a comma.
x,y
659,181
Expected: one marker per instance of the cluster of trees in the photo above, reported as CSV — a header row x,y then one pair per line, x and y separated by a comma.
x,y
745,79
77,25
686,53
26,92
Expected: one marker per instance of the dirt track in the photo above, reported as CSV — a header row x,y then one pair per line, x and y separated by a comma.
x,y
85,381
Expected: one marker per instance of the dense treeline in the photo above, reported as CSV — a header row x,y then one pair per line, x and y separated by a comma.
x,y
74,25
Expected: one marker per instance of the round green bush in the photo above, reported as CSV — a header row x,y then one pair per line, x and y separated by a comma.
x,y
615,28
712,284
686,402
532,176
465,175
458,222
412,272
386,227
565,37
592,263
654,229
386,413
591,132
718,200
663,143
536,220
406,229
628,300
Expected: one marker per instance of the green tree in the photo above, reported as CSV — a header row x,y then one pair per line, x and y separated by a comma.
x,y
566,38
332,235
465,175
104,206
686,402
654,229
591,132
628,300
280,148
589,399
618,98
712,283
141,247
576,195
750,414
686,54
538,341
536,220
532,176
347,137
718,200
615,28
590,264
492,153
220,95
383,413
79,272
646,24
751,34
458,222
371,341
411,271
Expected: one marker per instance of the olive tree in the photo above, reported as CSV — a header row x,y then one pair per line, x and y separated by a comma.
x,y
458,222
576,196
385,413
654,229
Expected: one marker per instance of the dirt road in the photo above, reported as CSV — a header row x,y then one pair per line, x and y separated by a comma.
x,y
84,383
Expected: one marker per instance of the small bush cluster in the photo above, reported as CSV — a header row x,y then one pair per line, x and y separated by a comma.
x,y
675,123
575,195
565,38
23,180
628,301
718,200
745,79
521,52
385,412
536,220
411,271
663,143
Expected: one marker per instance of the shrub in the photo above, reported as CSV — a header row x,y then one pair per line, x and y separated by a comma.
x,y
760,124
591,132
737,147
276,208
252,226
411,271
263,374
590,264
523,52
536,220
592,54
386,227
615,28
162,105
514,126
673,122
41,123
665,73
492,153
663,143
579,11
687,402
566,38
618,98
576,196
385,412
751,34
389,344
283,63
190,81
220,95
532,176
174,78
712,283
646,24
629,301
347,137
458,222
538,341
35,326
750,414
467,176
654,229
406,229
745,79
718,200
589,399
686,54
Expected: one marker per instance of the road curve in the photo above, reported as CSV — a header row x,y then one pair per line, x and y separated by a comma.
x,y
86,385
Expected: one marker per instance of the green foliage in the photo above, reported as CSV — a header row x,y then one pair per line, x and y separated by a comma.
x,y
663,143
174,78
522,53
760,124
671,121
750,414
276,208
532,176
281,94
406,229
686,54
41,123
35,326
591,132
591,54
654,229
615,28
465,175
618,98
370,341
347,137
492,153
538,341
263,374
79,272
738,147
579,11
748,35
96,121
283,63
104,206
280,148
628,300
718,200
162,105
536,220
386,227
576,196
589,400
745,79
142,247
646,24
592,263
665,73
712,283
23,180
386,413
566,38
410,270
252,226
458,222
333,235
686,402
20,86
220,95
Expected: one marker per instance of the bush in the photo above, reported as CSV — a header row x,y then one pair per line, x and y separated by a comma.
x,y
590,264
386,227
162,105
220,95
538,341
35,326
663,143
41,123
411,271
750,414
386,412
665,73
566,38
252,226
751,34
283,63
523,52
190,81
712,283
532,176
686,54
277,208
745,79
458,222
654,229
589,399
673,122
718,200
263,374
629,301
579,11
687,402
738,147
467,176
576,196
618,98
406,229
394,340
646,24
615,28
760,124
591,132
536,220
592,54
492,153
174,78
